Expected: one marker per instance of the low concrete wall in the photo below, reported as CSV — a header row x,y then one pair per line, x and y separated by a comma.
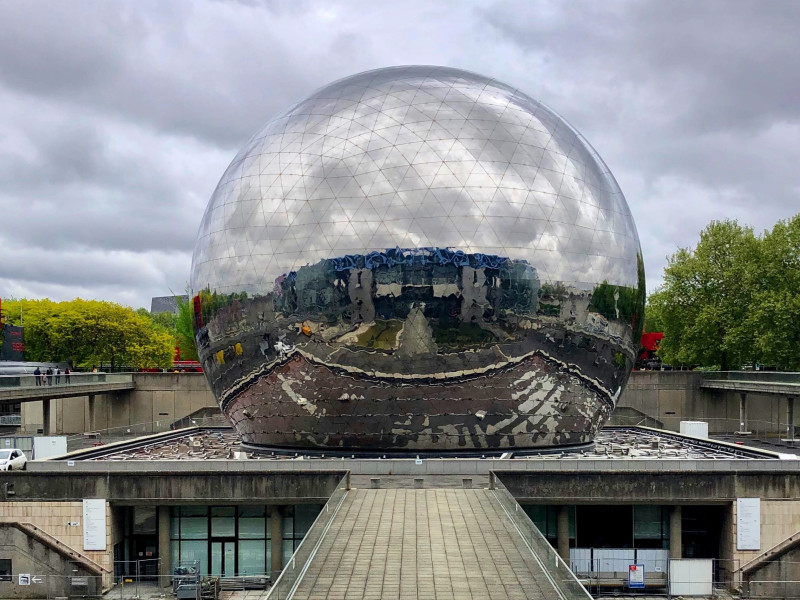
x,y
52,569
696,486
54,518
167,485
675,396
775,578
160,399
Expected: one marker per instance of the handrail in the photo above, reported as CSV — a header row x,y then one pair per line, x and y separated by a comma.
x,y
57,545
62,380
560,575
292,574
785,377
777,550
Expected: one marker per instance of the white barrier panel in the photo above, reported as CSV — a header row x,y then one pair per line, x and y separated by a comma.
x,y
698,429
691,577
47,446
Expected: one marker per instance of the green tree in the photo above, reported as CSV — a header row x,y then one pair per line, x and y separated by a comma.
x,y
773,319
704,302
652,320
184,330
90,332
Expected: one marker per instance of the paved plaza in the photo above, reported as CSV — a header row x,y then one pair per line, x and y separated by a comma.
x,y
434,544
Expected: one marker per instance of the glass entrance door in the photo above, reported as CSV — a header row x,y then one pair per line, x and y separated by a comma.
x,y
223,558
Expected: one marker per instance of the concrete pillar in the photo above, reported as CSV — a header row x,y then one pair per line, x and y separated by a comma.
x,y
163,544
790,417
742,412
90,426
276,546
562,532
46,417
675,532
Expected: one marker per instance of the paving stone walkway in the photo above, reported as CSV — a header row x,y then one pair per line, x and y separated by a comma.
x,y
430,544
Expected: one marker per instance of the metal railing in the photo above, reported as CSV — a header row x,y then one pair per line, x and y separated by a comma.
x,y
753,376
612,580
62,380
556,570
292,574
23,442
92,437
772,432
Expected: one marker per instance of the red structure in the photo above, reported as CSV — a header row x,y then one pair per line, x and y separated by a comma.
x,y
649,346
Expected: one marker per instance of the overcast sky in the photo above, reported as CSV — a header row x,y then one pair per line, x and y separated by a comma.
x,y
118,118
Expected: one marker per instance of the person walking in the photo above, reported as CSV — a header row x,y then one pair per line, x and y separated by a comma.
x,y
67,373
49,376
58,375
37,375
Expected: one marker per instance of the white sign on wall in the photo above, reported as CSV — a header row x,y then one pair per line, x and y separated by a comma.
x,y
748,524
94,524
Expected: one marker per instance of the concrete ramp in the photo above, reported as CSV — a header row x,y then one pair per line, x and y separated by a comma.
x,y
432,544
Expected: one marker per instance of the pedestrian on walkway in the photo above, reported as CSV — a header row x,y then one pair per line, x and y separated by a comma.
x,y
37,375
58,375
49,376
67,373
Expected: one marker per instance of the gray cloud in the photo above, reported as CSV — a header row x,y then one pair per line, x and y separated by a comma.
x,y
117,119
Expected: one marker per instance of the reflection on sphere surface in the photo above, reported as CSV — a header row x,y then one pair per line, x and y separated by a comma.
x,y
417,259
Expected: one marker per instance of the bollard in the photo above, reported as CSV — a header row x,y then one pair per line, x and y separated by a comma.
x,y
375,482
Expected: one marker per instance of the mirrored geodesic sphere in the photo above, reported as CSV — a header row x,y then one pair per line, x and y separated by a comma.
x,y
417,259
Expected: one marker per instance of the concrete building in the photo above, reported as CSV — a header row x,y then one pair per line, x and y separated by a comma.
x,y
640,496
637,496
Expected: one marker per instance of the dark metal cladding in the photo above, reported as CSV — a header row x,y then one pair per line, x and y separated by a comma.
x,y
363,284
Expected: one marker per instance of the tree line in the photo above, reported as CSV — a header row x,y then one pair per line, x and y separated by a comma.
x,y
91,333
733,300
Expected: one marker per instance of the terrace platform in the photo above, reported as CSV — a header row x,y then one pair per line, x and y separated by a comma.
x,y
435,544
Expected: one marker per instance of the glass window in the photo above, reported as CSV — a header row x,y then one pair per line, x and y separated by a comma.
x,y
195,551
174,553
304,516
287,525
650,527
5,569
174,524
253,523
288,550
194,522
223,521
194,511
144,520
538,514
647,522
252,557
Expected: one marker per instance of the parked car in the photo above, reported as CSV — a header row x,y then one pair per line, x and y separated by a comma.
x,y
12,460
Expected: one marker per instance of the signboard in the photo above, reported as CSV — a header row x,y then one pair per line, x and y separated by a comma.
x,y
24,579
748,524
94,524
13,343
636,576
